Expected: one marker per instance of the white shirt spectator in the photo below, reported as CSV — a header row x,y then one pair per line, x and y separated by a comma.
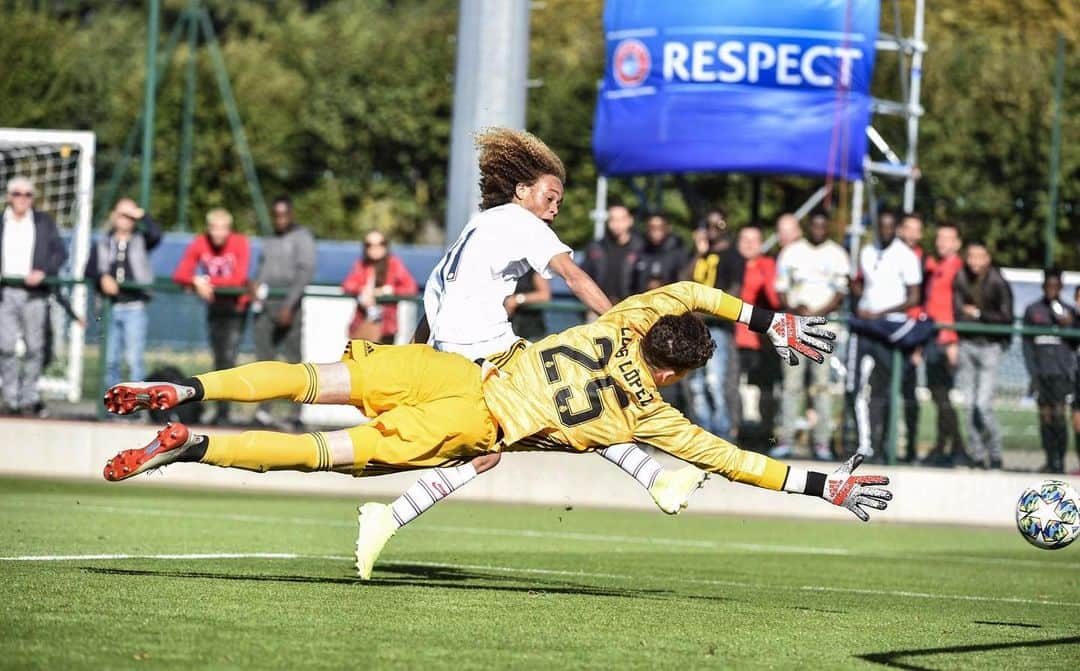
x,y
464,295
18,244
812,275
887,273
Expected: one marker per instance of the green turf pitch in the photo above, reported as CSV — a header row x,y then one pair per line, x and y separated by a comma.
x,y
483,586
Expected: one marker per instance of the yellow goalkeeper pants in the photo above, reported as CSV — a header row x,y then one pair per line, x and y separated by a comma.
x,y
427,410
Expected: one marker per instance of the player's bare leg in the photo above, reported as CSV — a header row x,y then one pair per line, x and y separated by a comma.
x,y
378,522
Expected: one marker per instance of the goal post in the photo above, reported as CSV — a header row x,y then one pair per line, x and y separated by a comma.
x,y
60,163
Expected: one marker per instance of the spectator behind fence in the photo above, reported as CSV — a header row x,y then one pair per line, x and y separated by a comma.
x,y
375,274
219,259
1051,364
716,264
122,255
910,231
811,279
30,250
611,260
1076,389
287,264
942,352
758,288
662,258
887,284
981,296
788,230
531,288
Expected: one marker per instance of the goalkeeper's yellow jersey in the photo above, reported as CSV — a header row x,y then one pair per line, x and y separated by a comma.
x,y
589,387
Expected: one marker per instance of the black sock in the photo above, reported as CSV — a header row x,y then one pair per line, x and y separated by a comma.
x,y
1061,442
197,451
194,383
1047,438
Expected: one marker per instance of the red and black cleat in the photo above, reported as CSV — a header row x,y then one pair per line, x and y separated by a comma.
x,y
128,397
164,449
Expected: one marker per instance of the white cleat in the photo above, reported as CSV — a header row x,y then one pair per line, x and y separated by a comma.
x,y
672,489
376,525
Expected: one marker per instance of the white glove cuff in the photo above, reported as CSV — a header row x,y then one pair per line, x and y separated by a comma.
x,y
800,481
744,314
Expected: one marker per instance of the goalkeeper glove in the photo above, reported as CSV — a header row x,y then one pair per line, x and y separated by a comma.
x,y
794,333
854,491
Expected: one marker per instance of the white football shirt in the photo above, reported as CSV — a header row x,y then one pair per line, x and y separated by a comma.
x,y
812,275
887,273
464,295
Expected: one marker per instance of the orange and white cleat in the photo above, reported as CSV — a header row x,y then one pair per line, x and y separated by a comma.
x,y
164,449
128,397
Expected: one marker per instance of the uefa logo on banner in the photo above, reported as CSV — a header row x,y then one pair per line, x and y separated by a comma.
x,y
631,63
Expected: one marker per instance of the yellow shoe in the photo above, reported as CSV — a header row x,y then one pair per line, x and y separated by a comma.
x,y
376,526
672,489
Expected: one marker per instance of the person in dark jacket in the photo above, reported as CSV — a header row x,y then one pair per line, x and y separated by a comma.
x,y
981,295
30,251
611,260
714,388
662,258
529,323
1052,366
123,255
287,262
1076,385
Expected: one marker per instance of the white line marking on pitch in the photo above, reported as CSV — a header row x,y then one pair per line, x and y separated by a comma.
x,y
737,583
762,548
197,555
552,572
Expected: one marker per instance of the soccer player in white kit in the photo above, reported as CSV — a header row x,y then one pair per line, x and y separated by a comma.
x,y
464,302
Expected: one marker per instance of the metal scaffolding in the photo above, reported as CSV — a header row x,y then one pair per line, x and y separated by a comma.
x,y
909,50
194,23
891,166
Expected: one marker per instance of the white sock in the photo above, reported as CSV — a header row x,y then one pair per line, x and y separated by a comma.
x,y
634,461
432,487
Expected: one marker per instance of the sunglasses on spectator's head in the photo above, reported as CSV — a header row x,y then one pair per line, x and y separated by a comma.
x,y
21,194
374,243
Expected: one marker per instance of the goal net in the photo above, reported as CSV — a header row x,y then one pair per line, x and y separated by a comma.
x,y
61,166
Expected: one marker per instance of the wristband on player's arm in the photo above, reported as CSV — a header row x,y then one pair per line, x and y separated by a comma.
x,y
758,319
800,481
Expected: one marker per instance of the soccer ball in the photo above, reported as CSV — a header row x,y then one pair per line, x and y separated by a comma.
x,y
1048,514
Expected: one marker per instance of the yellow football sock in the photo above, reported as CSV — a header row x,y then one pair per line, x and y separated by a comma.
x,y
263,451
262,381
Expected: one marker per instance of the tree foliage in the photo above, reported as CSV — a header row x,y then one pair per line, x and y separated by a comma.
x,y
346,105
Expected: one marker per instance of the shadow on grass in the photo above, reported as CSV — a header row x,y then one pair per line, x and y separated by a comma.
x,y
893,657
413,575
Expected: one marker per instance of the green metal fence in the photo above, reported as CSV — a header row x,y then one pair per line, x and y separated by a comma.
x,y
1019,417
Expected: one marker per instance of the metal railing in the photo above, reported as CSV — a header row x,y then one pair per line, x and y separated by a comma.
x,y
564,306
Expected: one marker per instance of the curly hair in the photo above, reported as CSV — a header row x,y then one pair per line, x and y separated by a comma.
x,y
678,342
510,157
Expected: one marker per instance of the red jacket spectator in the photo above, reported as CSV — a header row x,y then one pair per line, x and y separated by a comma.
x,y
759,288
225,266
395,280
939,293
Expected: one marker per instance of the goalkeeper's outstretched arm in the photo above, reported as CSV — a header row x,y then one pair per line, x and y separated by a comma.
x,y
790,334
668,430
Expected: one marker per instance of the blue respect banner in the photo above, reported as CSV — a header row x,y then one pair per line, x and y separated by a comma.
x,y
778,86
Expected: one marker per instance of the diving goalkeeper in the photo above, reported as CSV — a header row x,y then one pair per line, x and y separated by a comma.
x,y
585,388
